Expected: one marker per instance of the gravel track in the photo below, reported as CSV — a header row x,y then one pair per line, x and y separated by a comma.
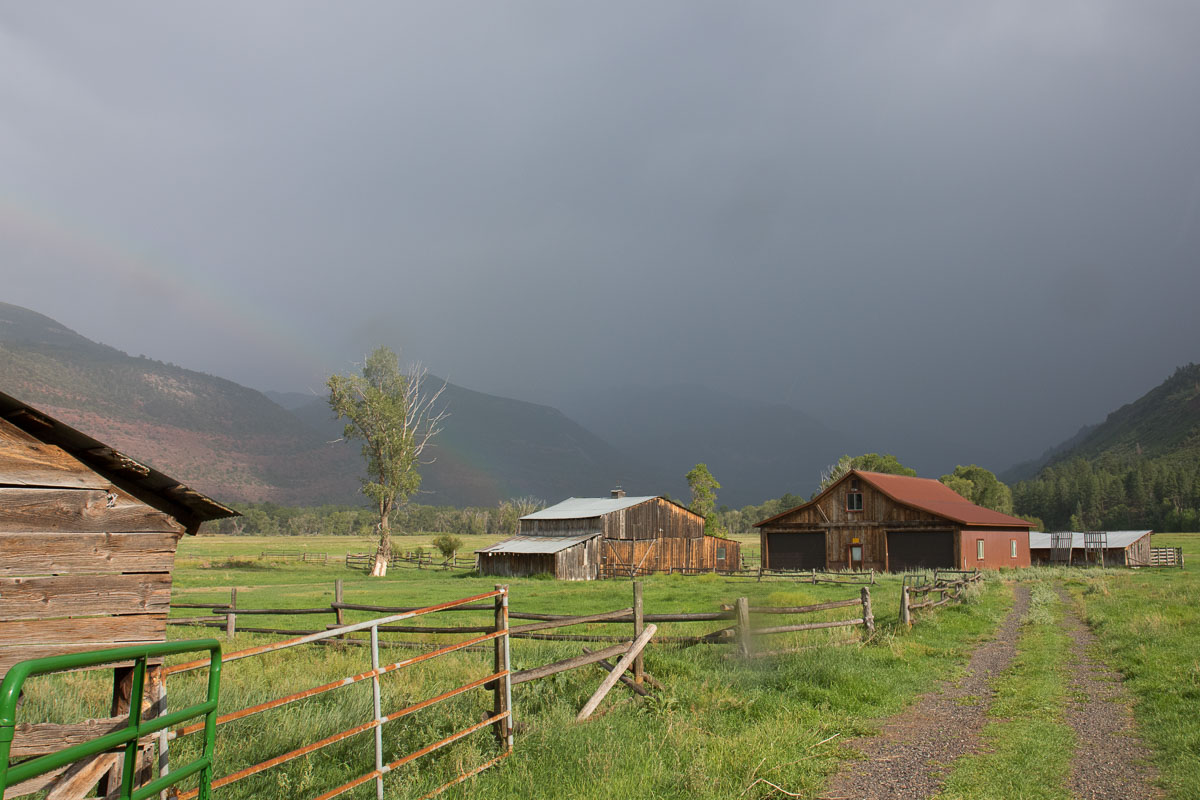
x,y
910,757
1110,763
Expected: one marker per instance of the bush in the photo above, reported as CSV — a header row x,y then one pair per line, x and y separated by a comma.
x,y
447,544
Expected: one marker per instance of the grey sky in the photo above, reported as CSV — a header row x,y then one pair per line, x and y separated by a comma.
x,y
972,221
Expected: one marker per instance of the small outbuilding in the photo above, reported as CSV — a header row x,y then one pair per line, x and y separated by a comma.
x,y
892,523
1116,548
87,546
584,538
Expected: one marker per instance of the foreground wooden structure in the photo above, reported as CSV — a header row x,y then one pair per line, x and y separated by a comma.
x,y
892,523
87,544
585,538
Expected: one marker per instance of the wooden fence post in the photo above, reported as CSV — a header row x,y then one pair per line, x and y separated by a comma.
x,y
231,615
868,617
905,612
743,626
639,625
337,598
500,662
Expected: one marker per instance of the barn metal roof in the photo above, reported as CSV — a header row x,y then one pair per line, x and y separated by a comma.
x,y
144,482
586,507
925,494
1116,539
537,544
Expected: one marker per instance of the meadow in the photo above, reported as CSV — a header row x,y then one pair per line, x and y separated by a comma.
x,y
720,725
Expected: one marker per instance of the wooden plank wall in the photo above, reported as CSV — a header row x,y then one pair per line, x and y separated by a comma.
x,y
83,565
662,555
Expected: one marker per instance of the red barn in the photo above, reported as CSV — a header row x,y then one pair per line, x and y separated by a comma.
x,y
892,523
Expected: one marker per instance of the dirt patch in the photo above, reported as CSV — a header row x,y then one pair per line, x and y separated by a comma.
x,y
1110,763
912,754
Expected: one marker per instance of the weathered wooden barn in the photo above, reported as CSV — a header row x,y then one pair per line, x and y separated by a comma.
x,y
584,538
87,545
892,523
1119,548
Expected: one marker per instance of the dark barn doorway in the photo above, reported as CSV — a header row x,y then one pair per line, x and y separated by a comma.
x,y
909,550
796,550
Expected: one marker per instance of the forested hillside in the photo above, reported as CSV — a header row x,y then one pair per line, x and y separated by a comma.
x,y
1139,468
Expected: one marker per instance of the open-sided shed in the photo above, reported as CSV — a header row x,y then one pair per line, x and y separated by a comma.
x,y
1119,548
87,545
892,523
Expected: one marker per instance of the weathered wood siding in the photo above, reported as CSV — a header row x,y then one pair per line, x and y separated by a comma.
x,y
83,565
1139,551
579,562
560,527
662,555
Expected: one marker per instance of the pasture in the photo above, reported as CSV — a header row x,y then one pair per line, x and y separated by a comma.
x,y
722,727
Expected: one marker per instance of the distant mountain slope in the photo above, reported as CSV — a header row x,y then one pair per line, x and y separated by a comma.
x,y
236,444
1163,422
757,451
1138,468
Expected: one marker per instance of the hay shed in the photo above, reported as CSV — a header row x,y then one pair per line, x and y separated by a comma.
x,y
1120,548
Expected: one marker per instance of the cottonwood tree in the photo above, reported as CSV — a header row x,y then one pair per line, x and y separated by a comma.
x,y
396,415
704,497
869,462
981,487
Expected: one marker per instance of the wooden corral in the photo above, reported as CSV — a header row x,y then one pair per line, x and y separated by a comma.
x,y
87,544
1122,548
892,523
646,533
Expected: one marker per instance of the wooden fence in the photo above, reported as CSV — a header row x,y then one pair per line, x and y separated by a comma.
x,y
411,559
1165,557
543,626
948,584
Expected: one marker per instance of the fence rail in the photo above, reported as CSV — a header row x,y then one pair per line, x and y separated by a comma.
x,y
498,680
949,584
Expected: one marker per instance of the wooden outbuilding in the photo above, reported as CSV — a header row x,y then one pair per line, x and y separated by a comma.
x,y
1115,548
583,538
892,523
87,545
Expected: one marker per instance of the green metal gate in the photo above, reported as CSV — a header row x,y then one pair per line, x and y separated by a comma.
x,y
10,691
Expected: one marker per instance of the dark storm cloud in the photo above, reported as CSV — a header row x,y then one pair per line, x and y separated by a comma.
x,y
976,223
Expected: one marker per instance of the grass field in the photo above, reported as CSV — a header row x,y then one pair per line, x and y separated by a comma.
x,y
719,726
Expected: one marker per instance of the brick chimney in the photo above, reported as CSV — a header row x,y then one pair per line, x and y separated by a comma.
x,y
618,492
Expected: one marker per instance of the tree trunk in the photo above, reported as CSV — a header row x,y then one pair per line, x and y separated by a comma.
x,y
383,554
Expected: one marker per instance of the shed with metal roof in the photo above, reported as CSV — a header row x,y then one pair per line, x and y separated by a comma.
x,y
631,536
1114,548
892,523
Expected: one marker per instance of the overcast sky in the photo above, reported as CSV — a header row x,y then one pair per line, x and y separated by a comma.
x,y
978,220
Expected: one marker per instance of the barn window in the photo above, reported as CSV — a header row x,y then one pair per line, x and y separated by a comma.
x,y
1012,548
720,553
979,549
854,501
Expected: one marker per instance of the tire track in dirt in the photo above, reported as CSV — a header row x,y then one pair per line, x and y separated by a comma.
x,y
1110,762
910,757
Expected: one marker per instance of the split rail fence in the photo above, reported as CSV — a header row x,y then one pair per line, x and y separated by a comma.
x,y
947,584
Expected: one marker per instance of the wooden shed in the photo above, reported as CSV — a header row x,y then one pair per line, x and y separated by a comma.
x,y
631,535
892,523
87,545
1119,548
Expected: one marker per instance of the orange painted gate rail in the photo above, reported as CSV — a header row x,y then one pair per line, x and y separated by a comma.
x,y
499,682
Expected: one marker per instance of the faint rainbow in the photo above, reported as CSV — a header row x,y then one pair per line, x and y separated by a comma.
x,y
87,246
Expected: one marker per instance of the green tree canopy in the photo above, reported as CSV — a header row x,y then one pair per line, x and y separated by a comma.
x,y
869,462
395,418
981,487
704,497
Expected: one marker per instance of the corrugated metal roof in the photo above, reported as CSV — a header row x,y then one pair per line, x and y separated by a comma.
x,y
537,544
925,494
586,507
1116,539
